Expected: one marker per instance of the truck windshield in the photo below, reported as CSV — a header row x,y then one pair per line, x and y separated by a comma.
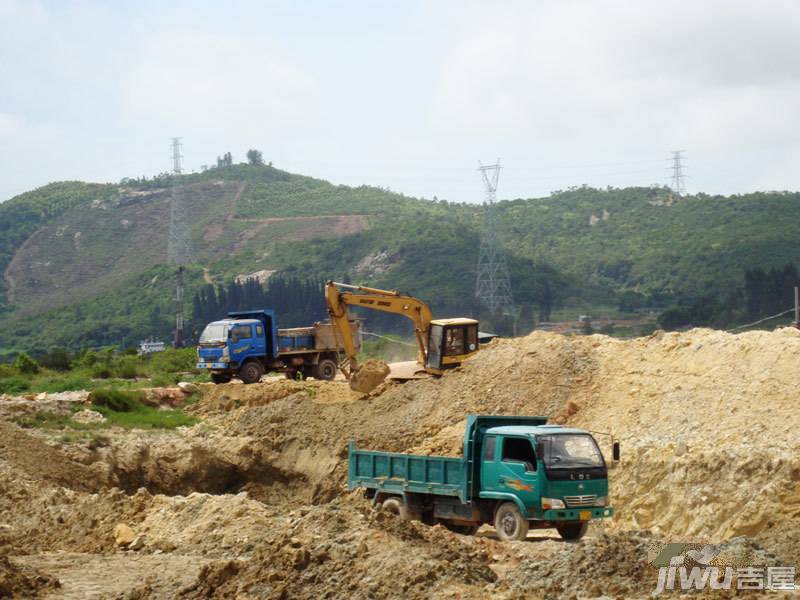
x,y
568,451
214,332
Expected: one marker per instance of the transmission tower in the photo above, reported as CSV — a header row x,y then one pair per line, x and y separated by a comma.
x,y
179,249
677,181
493,286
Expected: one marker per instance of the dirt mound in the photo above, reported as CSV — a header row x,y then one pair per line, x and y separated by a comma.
x,y
62,403
347,549
22,581
369,376
230,396
608,565
36,458
707,421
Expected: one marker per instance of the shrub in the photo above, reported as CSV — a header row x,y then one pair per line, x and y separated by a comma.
x,y
101,371
57,359
127,367
173,360
14,385
87,358
25,364
116,400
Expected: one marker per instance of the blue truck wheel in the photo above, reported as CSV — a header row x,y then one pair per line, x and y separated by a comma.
x,y
251,372
325,370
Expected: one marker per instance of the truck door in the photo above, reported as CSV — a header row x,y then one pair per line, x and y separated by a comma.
x,y
260,341
514,470
490,475
241,341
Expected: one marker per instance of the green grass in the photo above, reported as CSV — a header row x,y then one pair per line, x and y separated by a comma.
x,y
115,400
146,417
14,385
120,408
52,421
105,369
66,382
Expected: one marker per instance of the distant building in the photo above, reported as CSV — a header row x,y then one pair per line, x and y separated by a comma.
x,y
146,347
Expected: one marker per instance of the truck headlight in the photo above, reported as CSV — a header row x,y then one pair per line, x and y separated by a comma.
x,y
601,501
548,503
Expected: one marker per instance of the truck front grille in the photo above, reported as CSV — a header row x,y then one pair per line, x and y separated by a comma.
x,y
573,501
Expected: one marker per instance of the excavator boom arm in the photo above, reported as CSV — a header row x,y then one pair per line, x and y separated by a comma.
x,y
382,300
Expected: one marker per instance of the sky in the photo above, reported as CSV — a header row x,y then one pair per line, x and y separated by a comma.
x,y
406,95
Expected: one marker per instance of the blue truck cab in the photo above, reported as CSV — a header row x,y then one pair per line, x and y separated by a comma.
x,y
247,344
516,472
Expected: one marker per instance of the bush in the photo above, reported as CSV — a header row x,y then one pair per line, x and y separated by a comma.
x,y
101,371
87,358
57,359
116,400
25,364
127,367
173,360
14,385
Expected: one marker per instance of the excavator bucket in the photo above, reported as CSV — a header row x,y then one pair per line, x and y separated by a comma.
x,y
368,376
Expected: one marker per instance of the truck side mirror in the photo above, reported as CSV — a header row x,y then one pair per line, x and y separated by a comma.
x,y
615,450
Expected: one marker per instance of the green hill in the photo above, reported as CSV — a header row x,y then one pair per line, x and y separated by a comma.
x,y
84,264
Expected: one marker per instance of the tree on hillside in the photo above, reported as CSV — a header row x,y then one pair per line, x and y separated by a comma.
x,y
255,158
226,160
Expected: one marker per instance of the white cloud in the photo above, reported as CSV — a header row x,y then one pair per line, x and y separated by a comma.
x,y
588,79
210,83
408,97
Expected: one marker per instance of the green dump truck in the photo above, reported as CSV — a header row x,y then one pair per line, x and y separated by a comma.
x,y
515,472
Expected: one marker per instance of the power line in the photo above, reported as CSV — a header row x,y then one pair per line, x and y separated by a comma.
x,y
786,312
179,248
677,184
493,285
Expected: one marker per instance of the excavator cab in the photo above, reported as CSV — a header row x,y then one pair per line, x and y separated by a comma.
x,y
450,342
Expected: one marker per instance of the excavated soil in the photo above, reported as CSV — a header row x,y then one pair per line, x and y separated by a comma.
x,y
252,501
369,376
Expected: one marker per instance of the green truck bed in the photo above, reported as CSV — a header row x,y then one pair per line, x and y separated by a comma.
x,y
399,473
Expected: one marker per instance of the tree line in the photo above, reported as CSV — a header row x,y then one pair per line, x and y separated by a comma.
x,y
761,293
296,302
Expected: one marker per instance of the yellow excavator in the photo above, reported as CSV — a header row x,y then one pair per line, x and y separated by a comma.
x,y
442,343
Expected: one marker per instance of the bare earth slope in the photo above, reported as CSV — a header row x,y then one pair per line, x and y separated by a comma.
x,y
252,501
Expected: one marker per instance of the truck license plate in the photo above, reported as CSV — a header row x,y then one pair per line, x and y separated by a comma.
x,y
585,515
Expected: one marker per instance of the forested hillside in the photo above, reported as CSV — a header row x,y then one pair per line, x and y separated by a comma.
x,y
85,264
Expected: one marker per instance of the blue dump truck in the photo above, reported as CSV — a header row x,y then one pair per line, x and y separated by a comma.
x,y
515,472
247,344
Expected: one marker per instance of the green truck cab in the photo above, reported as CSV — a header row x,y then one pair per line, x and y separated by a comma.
x,y
515,472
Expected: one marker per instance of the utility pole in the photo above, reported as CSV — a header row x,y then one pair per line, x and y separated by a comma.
x,y
677,181
493,285
179,249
